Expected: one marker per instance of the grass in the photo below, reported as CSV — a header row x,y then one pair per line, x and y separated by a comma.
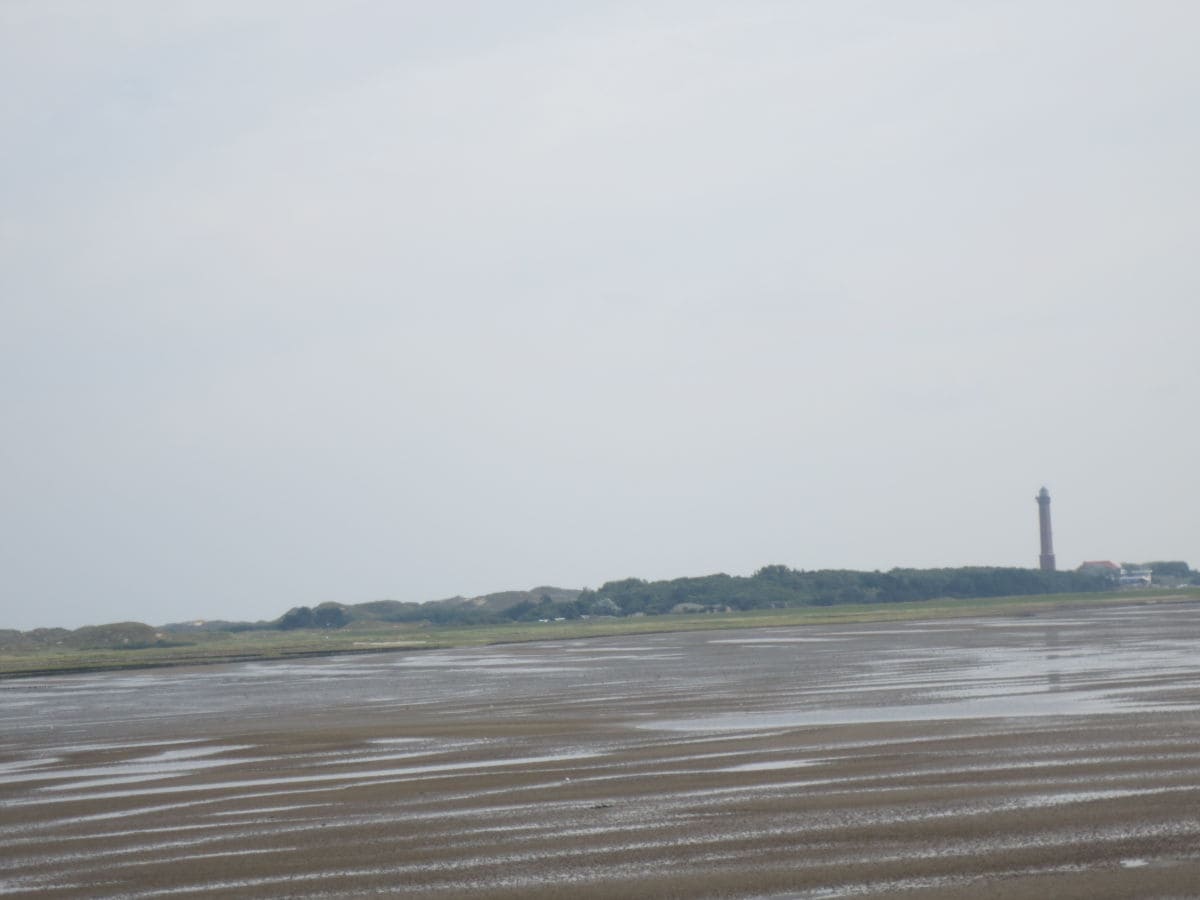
x,y
225,647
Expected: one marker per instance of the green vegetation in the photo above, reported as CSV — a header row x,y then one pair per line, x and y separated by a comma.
x,y
116,636
776,587
772,587
257,643
774,595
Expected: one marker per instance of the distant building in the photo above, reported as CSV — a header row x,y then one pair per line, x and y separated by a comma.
x,y
1135,578
1126,578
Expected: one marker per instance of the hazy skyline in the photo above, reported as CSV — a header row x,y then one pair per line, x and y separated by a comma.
x,y
311,301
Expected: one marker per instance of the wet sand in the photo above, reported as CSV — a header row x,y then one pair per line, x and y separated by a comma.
x,y
1051,756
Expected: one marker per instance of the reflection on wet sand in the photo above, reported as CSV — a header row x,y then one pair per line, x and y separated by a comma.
x,y
1050,757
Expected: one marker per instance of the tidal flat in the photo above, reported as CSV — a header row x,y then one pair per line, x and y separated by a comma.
x,y
1055,754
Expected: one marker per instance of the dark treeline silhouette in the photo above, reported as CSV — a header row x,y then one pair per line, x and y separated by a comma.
x,y
770,587
778,586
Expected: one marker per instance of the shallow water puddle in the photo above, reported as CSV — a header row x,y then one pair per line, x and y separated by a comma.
x,y
358,777
769,765
165,764
990,706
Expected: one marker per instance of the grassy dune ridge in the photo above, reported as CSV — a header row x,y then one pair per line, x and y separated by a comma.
x,y
225,647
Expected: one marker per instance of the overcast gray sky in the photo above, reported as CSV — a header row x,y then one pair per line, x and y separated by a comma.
x,y
307,301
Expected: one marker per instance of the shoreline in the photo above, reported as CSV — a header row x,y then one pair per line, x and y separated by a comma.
x,y
1051,754
214,649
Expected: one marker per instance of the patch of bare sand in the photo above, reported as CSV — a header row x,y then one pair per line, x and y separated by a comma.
x,y
520,787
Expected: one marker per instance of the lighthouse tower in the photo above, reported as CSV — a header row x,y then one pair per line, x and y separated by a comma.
x,y
1046,560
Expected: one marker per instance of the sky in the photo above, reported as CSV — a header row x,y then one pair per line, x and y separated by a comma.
x,y
343,301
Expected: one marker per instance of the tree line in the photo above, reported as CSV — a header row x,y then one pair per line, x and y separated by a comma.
x,y
778,586
773,586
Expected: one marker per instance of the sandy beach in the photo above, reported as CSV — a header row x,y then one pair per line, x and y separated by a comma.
x,y
1054,755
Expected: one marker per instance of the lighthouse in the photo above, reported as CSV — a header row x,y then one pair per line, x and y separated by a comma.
x,y
1046,560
